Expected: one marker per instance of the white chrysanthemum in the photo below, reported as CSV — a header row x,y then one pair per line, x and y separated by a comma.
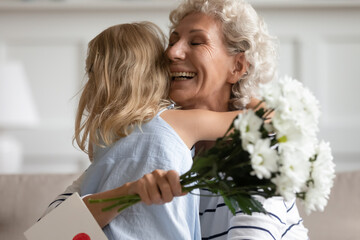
x,y
295,124
322,178
311,107
284,187
296,108
285,128
248,124
264,159
269,127
291,93
299,143
293,172
270,93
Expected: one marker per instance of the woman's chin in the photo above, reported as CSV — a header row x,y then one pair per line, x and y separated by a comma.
x,y
182,84
180,97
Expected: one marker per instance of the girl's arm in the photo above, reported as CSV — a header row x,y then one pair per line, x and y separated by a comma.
x,y
203,125
196,125
158,187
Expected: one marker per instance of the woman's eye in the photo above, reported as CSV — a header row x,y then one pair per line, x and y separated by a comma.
x,y
172,43
196,43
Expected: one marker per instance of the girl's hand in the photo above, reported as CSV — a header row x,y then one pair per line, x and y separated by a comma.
x,y
254,104
158,187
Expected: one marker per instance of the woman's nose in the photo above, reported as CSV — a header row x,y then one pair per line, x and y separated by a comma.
x,y
176,51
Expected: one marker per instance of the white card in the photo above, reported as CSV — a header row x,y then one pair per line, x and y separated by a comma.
x,y
71,220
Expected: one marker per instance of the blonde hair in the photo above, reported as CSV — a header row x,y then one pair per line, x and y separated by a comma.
x,y
243,31
128,82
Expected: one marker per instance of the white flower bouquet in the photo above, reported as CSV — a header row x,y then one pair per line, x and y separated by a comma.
x,y
259,156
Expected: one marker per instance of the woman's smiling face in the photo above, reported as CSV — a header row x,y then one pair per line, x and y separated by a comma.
x,y
200,64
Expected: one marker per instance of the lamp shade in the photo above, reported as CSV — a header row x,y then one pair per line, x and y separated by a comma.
x,y
17,108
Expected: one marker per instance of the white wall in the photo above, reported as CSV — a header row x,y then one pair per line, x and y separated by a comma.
x,y
319,45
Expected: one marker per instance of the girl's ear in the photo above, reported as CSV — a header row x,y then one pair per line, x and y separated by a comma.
x,y
239,68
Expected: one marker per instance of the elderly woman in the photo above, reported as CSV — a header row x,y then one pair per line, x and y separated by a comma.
x,y
204,35
209,41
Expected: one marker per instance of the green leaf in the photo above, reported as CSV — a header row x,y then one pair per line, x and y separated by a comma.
x,y
232,205
260,112
248,204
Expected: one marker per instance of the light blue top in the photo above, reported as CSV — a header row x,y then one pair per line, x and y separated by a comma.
x,y
155,146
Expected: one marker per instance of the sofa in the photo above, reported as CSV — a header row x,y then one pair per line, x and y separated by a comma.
x,y
24,197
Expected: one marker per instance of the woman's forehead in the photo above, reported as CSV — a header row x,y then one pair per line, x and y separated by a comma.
x,y
198,22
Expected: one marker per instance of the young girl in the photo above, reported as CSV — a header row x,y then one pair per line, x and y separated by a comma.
x,y
126,119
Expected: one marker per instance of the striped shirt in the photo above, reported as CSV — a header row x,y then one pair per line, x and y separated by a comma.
x,y
281,222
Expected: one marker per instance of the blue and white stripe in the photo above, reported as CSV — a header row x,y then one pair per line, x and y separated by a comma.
x,y
282,222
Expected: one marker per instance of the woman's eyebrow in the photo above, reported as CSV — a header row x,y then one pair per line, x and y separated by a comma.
x,y
175,33
191,31
197,30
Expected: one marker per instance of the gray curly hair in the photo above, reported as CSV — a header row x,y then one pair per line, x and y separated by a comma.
x,y
244,31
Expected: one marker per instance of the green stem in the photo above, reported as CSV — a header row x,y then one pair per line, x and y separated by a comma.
x,y
242,164
257,105
267,113
190,188
185,180
122,198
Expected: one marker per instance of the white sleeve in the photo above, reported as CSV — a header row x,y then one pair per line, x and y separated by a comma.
x,y
218,222
295,228
282,222
74,187
258,225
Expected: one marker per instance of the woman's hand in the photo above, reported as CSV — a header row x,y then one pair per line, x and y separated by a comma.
x,y
158,187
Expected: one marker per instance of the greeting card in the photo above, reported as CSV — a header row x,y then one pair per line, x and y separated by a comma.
x,y
71,220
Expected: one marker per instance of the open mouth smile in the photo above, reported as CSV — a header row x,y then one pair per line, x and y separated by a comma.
x,y
181,76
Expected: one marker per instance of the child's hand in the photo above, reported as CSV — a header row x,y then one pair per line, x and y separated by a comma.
x,y
255,104
158,187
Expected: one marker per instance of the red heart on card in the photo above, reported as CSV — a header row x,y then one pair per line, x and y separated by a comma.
x,y
82,236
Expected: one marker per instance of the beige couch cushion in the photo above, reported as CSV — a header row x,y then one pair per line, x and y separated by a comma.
x,y
24,199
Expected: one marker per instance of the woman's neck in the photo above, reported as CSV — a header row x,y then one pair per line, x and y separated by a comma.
x,y
212,106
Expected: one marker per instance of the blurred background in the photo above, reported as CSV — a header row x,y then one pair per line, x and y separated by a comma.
x,y
43,48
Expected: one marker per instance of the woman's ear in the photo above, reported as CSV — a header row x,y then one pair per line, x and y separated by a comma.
x,y
239,68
